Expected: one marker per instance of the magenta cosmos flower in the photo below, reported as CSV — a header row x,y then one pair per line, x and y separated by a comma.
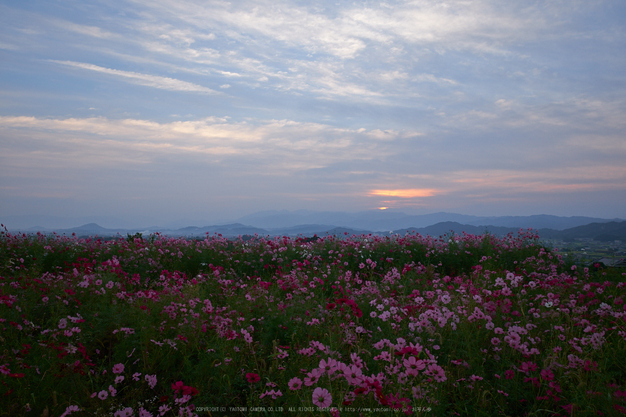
x,y
253,378
321,397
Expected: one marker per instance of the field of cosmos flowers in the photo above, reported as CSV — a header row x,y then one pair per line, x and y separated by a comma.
x,y
360,325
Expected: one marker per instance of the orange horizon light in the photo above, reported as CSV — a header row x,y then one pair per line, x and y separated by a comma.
x,y
405,193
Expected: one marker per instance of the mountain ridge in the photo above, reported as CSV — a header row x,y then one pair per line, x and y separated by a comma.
x,y
602,231
374,220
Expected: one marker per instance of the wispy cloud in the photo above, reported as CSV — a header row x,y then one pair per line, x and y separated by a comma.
x,y
93,31
274,144
155,81
8,46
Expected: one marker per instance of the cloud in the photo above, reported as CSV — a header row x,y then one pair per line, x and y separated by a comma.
x,y
406,193
342,51
93,31
548,180
163,83
614,145
276,147
8,46
431,78
290,25
334,52
479,26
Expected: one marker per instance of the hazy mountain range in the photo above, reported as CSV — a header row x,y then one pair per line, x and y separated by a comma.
x,y
309,223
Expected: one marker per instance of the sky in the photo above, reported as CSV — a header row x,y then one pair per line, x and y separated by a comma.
x,y
149,111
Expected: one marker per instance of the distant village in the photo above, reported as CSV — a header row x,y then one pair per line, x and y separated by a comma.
x,y
588,251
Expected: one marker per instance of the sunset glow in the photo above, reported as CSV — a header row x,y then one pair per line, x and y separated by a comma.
x,y
406,193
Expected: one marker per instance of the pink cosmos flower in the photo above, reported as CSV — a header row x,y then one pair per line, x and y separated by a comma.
x,y
321,397
547,375
295,384
555,386
127,412
164,409
413,365
103,395
437,372
69,410
253,378
353,374
118,369
356,360
528,367
152,380
272,393
329,366
178,386
591,366
144,413
385,356
182,399
312,377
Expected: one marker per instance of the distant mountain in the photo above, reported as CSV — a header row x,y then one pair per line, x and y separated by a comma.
x,y
540,221
26,221
610,231
606,232
302,229
386,220
90,228
309,223
445,228
235,229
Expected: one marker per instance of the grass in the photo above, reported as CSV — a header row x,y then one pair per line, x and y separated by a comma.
x,y
459,325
